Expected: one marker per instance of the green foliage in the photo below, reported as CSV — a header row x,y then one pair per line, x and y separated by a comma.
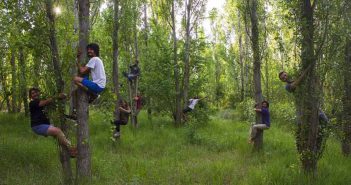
x,y
283,112
246,110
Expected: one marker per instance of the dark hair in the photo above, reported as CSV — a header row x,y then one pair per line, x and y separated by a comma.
x,y
94,47
121,102
266,103
32,89
281,73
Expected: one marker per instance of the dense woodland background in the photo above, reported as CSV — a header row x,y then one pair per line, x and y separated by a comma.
x,y
235,63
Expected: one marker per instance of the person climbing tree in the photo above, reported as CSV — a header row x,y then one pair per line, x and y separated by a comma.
x,y
41,124
324,125
266,122
291,85
95,66
191,106
124,112
134,71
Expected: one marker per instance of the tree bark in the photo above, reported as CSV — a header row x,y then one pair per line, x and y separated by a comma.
x,y
346,142
241,60
307,95
186,80
22,81
258,142
64,155
146,36
178,108
14,82
134,116
6,93
84,155
115,57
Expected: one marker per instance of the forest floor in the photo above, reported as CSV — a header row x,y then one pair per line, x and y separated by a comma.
x,y
159,153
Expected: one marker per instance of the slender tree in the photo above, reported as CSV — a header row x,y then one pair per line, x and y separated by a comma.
x,y
253,4
308,138
84,155
178,108
346,140
64,155
115,57
186,79
23,80
14,82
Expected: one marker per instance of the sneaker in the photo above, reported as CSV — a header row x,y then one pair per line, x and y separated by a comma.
x,y
93,98
116,134
73,152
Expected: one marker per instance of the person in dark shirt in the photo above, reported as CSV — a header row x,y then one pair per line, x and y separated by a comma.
x,y
291,85
41,124
134,71
266,122
124,112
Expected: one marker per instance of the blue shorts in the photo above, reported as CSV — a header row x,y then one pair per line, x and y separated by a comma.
x,y
93,87
41,129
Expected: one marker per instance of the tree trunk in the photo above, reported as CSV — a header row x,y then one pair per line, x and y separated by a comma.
x,y
178,108
3,79
258,142
307,96
187,53
64,155
134,116
73,70
115,57
22,81
346,142
241,60
146,26
14,82
36,71
84,155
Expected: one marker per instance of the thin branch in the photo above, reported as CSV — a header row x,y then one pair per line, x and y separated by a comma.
x,y
324,37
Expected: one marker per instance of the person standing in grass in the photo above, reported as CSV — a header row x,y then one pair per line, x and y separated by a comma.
x,y
41,124
124,112
266,122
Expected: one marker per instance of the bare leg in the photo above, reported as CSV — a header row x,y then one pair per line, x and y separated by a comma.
x,y
254,128
78,81
57,133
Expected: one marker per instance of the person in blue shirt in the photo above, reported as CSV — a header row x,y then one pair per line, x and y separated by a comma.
x,y
266,122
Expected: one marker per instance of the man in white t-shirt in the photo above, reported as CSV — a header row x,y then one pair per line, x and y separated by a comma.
x,y
191,105
96,68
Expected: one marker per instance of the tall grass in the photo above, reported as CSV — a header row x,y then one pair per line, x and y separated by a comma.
x,y
159,153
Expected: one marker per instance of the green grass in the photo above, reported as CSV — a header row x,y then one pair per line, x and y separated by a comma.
x,y
158,153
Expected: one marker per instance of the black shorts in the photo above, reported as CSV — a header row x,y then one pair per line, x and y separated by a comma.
x,y
187,109
120,122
